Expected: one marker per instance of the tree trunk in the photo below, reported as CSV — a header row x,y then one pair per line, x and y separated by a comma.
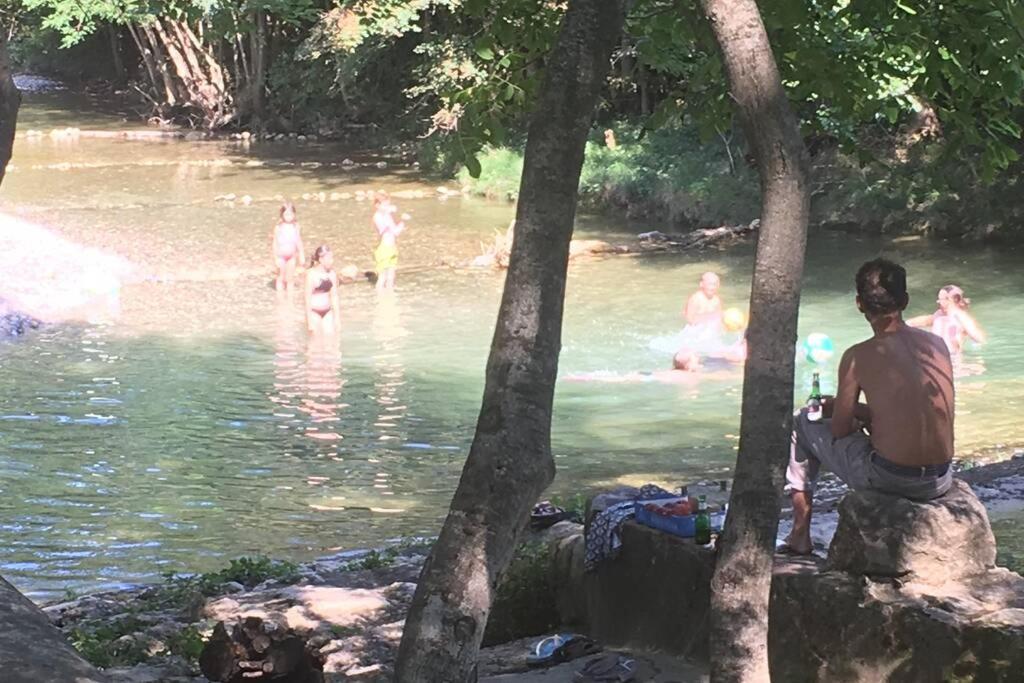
x,y
150,63
510,462
115,52
10,101
171,90
742,578
259,66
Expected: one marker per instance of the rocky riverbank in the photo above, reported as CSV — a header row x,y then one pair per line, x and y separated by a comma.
x,y
348,608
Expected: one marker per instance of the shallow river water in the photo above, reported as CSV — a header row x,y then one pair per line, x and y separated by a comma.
x,y
201,425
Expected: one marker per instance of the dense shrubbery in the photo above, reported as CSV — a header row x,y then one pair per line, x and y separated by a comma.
x,y
671,175
668,173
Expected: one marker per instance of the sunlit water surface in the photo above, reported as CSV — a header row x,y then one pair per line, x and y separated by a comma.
x,y
203,425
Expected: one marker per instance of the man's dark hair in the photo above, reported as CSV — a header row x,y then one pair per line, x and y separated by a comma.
x,y
882,287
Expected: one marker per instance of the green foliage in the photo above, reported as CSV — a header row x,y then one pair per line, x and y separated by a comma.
x,y
525,602
179,591
187,643
250,571
374,559
575,504
100,643
668,172
104,644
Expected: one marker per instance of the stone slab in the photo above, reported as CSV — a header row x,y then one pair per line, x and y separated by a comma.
x,y
32,650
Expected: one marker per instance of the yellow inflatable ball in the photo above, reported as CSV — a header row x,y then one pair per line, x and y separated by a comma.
x,y
350,272
734,319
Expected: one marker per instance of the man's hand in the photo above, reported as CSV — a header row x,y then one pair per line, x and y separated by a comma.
x,y
828,404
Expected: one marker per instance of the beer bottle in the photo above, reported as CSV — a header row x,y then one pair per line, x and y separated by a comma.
x,y
702,525
814,400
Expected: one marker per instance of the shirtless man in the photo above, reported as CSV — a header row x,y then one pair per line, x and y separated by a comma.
x,y
704,305
906,375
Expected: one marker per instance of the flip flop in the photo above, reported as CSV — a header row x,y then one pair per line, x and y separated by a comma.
x,y
611,668
545,514
576,647
543,653
789,551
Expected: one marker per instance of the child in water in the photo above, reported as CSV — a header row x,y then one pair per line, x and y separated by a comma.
x,y
287,249
385,256
322,307
951,321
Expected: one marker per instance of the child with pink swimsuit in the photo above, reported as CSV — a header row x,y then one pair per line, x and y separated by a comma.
x,y
287,251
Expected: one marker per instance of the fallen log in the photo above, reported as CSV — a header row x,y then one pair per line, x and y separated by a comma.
x,y
258,650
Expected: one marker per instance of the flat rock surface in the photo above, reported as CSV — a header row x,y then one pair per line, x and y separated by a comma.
x,y
649,668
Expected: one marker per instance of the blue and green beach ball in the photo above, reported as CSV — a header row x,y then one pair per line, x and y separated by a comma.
x,y
818,348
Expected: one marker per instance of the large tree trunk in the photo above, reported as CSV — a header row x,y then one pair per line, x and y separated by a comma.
x,y
115,53
259,66
10,101
742,579
510,462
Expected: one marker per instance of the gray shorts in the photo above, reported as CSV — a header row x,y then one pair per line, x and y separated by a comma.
x,y
854,460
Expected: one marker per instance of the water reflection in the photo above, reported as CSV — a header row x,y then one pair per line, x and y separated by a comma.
x,y
389,369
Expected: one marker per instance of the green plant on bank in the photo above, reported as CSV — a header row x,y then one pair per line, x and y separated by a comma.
x,y
340,631
575,504
105,644
525,600
668,173
374,559
101,643
187,643
248,571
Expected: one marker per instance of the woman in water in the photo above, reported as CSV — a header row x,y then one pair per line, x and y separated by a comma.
x,y
385,256
951,320
287,249
322,308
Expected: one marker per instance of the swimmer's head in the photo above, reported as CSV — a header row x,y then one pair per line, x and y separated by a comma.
x,y
881,288
322,256
288,212
951,295
709,284
382,200
686,360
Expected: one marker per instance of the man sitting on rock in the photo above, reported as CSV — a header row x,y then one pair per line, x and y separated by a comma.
x,y
906,377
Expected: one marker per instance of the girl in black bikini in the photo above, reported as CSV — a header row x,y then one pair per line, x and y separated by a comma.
x,y
322,294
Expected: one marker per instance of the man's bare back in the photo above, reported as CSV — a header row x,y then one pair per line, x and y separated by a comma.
x,y
906,376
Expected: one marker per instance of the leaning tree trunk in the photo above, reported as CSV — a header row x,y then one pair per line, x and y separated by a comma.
x,y
742,578
10,101
510,462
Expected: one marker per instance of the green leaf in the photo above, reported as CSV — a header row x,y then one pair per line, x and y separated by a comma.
x,y
905,8
484,52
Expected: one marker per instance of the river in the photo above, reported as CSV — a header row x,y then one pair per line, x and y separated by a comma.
x,y
200,425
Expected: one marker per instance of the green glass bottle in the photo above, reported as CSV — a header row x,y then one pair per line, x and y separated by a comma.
x,y
814,400
702,525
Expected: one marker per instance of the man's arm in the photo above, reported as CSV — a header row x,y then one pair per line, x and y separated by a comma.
x,y
970,326
690,312
846,408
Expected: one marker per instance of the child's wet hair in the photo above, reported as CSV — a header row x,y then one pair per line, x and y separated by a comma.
x,y
956,295
318,254
287,206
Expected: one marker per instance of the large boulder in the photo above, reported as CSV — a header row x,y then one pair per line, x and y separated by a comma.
x,y
830,626
655,594
32,650
932,542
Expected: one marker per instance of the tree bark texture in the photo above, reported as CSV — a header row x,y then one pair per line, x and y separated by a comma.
x,y
742,579
10,102
510,462
115,53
